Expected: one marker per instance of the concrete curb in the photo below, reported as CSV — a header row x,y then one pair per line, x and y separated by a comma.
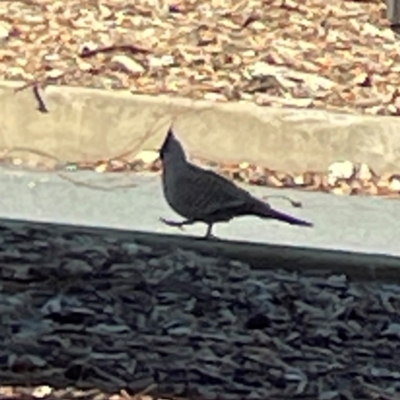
x,y
358,266
89,124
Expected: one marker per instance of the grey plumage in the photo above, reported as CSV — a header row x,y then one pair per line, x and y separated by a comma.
x,y
200,195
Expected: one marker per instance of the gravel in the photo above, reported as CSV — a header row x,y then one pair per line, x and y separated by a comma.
x,y
82,310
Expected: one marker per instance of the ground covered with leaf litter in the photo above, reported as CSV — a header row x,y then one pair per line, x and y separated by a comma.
x,y
285,53
341,178
88,311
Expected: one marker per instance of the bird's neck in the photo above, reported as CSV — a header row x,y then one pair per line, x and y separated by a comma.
x,y
177,157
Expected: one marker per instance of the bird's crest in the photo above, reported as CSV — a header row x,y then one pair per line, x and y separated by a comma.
x,y
171,145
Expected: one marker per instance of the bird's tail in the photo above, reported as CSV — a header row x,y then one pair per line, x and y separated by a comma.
x,y
265,211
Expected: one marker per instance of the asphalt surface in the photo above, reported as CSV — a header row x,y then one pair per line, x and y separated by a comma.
x,y
347,223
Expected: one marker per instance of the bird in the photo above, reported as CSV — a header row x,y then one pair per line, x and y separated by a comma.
x,y
200,195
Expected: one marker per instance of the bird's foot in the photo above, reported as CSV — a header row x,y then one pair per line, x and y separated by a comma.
x,y
175,224
211,237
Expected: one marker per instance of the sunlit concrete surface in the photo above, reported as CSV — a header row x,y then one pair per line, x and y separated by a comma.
x,y
346,223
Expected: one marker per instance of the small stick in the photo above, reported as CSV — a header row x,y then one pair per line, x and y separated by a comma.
x,y
35,88
41,104
294,203
85,53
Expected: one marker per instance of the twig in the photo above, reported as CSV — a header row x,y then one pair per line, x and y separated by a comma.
x,y
34,151
41,153
41,104
23,87
135,150
153,129
42,107
35,85
294,203
91,186
85,53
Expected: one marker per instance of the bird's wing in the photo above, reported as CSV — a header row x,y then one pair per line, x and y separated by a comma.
x,y
215,193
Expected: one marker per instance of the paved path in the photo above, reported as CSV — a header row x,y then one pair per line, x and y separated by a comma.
x,y
348,223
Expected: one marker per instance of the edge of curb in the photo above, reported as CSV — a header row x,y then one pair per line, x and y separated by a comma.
x,y
98,123
358,266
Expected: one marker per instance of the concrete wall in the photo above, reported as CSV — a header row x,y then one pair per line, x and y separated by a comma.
x,y
90,124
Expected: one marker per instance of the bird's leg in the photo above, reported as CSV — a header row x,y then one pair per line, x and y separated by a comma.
x,y
209,234
177,224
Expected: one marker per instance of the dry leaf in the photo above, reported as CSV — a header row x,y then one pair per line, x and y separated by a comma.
x,y
128,64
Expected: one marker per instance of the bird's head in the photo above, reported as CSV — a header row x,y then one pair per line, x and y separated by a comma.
x,y
171,148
